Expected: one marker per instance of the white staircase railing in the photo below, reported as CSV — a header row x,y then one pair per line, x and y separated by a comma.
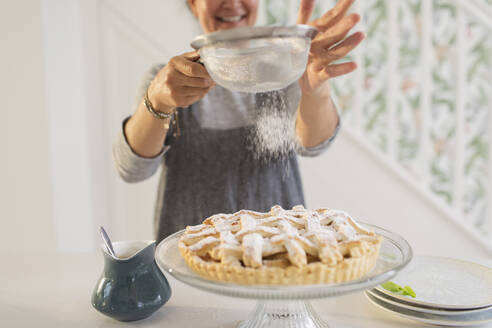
x,y
421,100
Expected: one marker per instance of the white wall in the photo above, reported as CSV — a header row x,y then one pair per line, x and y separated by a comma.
x,y
26,209
67,101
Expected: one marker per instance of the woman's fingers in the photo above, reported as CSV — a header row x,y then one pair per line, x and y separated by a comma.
x,y
332,16
335,34
305,11
192,91
192,99
184,80
335,70
184,96
190,73
192,55
188,67
347,45
198,82
181,79
340,50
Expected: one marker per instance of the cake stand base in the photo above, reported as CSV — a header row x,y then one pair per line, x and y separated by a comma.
x,y
283,314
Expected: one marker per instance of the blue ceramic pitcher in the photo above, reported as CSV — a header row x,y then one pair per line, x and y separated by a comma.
x,y
131,286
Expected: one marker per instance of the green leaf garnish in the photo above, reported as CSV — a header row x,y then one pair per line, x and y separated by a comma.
x,y
407,290
397,289
392,287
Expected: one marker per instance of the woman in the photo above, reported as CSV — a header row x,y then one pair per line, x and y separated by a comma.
x,y
209,168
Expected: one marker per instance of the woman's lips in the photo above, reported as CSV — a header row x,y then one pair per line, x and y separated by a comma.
x,y
232,21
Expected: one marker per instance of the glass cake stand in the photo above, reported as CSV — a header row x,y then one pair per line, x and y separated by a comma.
x,y
288,306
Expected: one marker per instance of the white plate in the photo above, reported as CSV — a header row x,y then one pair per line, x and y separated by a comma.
x,y
445,283
435,319
410,306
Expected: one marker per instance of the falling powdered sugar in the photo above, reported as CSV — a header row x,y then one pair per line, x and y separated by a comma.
x,y
273,136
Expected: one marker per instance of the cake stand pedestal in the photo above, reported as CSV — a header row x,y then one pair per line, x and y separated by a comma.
x,y
283,314
288,306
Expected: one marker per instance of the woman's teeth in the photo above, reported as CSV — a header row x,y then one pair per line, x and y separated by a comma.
x,y
231,19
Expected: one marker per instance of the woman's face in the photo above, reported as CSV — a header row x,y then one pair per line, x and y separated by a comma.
x,y
216,15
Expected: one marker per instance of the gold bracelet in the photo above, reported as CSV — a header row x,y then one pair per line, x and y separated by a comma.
x,y
156,114
163,116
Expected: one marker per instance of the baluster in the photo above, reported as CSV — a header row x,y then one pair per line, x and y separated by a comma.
x,y
478,10
393,78
488,224
293,6
426,61
460,102
262,13
359,98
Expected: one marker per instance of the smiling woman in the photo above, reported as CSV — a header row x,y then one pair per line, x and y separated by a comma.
x,y
201,133
219,15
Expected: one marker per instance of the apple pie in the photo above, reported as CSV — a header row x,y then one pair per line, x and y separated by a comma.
x,y
280,247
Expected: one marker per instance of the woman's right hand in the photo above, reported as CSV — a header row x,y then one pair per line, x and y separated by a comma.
x,y
182,82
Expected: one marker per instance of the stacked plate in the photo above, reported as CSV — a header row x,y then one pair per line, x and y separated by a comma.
x,y
448,292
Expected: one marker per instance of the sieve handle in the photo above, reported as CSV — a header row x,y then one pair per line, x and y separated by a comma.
x,y
200,61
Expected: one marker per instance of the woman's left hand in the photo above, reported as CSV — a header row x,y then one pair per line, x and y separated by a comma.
x,y
329,45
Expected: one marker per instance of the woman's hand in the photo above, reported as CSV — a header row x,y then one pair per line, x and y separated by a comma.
x,y
329,45
182,82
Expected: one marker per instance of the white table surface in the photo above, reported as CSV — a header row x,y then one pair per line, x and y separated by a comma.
x,y
40,290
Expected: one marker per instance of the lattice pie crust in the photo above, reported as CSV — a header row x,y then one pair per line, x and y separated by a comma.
x,y
280,247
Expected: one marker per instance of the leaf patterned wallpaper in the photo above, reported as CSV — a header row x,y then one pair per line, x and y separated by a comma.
x,y
426,139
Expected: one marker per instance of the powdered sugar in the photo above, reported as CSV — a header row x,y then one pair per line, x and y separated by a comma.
x,y
273,135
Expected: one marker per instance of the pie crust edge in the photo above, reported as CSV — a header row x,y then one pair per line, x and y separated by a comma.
x,y
313,273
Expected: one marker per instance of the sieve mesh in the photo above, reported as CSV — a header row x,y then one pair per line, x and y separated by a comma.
x,y
256,65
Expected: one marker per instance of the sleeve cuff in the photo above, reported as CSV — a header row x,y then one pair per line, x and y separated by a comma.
x,y
131,166
163,151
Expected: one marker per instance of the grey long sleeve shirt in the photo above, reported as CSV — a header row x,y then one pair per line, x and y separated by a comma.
x,y
212,166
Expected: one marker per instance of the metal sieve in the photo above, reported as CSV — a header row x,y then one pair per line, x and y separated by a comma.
x,y
256,59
